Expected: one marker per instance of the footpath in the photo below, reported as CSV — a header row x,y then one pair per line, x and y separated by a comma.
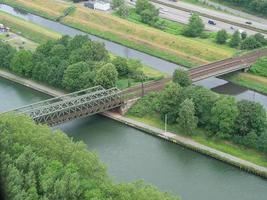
x,y
183,141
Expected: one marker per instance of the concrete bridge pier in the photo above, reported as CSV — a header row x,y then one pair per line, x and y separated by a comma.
x,y
127,105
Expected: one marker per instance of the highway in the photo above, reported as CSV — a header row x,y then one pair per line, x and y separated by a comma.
x,y
223,20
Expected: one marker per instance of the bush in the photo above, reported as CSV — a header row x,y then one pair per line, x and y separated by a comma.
x,y
250,43
195,26
221,37
181,77
260,67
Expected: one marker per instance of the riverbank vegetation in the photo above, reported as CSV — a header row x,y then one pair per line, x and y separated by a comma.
x,y
73,64
255,79
176,48
215,120
38,163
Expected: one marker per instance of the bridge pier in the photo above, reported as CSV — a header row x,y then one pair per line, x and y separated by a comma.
x,y
127,105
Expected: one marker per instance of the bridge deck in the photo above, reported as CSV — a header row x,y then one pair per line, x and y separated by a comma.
x,y
74,105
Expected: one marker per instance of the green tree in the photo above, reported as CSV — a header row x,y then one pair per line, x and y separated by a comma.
x,y
123,11
73,74
121,65
117,3
187,119
106,76
252,117
260,67
181,77
221,37
149,16
250,43
195,26
235,40
6,54
22,63
169,101
223,116
260,38
244,35
204,99
141,5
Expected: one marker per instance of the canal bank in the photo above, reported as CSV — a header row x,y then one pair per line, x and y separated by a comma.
x,y
186,142
131,155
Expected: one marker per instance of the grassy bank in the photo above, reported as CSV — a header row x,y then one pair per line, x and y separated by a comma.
x,y
179,49
26,29
33,32
250,81
224,146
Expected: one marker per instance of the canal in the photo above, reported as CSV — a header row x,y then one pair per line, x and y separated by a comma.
x,y
133,155
216,84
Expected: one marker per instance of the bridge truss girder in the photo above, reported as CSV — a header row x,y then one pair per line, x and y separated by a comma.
x,y
75,105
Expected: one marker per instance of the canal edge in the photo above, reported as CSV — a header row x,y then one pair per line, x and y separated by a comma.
x,y
171,137
190,144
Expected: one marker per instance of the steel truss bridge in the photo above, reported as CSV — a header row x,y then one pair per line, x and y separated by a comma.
x,y
74,105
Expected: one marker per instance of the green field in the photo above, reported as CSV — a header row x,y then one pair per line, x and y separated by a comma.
x,y
176,48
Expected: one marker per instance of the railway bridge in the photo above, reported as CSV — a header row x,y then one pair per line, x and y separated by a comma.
x,y
97,99
226,66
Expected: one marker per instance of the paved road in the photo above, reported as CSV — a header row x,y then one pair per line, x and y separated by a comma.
x,y
183,17
235,12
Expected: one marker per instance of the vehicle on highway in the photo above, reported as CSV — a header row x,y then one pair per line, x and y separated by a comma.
x,y
211,22
249,23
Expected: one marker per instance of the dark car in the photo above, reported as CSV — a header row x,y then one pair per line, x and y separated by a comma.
x,y
211,22
249,23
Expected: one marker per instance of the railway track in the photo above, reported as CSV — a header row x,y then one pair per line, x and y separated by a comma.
x,y
212,69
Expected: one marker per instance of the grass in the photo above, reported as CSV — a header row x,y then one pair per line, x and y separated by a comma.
x,y
38,35
26,29
222,145
18,41
179,49
254,82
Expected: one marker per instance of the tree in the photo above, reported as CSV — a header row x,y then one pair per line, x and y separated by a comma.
x,y
72,76
121,65
260,39
223,116
204,100
195,26
169,101
221,37
251,117
106,76
244,35
260,67
22,63
181,77
235,40
123,11
141,5
117,3
149,16
250,43
94,51
187,119
6,54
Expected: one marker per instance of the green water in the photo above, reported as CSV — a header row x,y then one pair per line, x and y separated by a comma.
x,y
131,154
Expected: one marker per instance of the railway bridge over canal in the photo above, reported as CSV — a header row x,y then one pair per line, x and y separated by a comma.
x,y
97,99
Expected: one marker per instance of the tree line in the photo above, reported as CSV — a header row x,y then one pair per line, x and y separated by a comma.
x,y
38,164
70,63
221,116
258,6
